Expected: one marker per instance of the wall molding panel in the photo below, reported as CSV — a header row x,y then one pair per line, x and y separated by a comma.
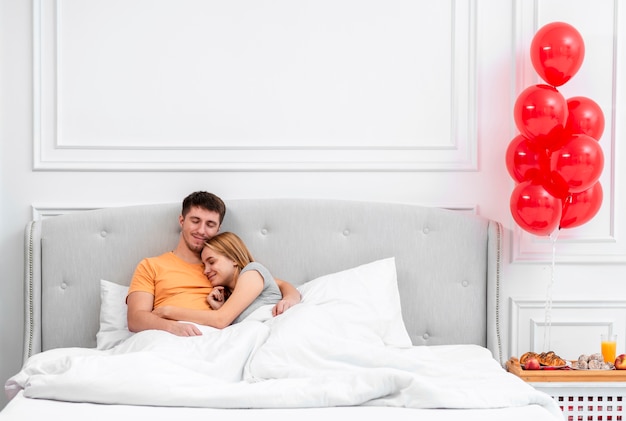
x,y
603,239
574,328
43,211
181,106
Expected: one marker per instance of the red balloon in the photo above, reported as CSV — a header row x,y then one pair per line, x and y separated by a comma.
x,y
585,117
534,209
556,185
557,52
579,208
540,115
579,162
524,161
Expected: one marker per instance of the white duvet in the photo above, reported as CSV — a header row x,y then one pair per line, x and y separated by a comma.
x,y
299,359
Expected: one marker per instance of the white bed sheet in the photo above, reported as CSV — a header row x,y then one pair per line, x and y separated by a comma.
x,y
22,408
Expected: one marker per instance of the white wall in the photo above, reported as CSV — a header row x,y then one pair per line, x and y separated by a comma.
x,y
108,103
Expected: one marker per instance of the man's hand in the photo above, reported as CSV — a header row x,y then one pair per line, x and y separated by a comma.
x,y
176,328
282,306
142,316
291,297
184,329
162,312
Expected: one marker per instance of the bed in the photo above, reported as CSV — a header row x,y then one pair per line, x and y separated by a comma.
x,y
398,319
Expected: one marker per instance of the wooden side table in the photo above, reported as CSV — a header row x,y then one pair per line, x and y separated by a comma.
x,y
583,395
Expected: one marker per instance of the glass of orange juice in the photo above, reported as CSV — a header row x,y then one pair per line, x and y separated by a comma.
x,y
608,343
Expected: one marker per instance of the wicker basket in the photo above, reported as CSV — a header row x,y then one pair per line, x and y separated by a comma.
x,y
583,395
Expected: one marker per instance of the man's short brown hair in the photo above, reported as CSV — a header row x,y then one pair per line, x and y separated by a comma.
x,y
204,200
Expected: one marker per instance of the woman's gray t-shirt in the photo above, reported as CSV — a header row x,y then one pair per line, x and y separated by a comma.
x,y
270,295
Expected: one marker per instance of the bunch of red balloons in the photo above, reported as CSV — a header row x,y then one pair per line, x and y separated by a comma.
x,y
556,160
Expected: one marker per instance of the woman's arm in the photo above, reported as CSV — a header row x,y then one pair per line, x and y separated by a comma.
x,y
291,297
249,286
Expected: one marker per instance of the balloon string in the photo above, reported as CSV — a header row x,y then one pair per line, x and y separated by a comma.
x,y
547,333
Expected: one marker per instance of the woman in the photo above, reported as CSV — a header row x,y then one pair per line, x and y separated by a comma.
x,y
235,275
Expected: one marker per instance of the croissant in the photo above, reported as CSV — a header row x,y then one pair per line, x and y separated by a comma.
x,y
549,358
528,355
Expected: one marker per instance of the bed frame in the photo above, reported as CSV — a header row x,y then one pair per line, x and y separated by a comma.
x,y
448,262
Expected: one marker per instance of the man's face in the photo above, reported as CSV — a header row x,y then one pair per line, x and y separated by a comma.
x,y
198,226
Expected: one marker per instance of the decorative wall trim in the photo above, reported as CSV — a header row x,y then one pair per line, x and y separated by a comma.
x,y
582,247
63,141
603,239
574,329
41,211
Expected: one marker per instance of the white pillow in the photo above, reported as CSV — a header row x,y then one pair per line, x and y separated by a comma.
x,y
113,310
370,291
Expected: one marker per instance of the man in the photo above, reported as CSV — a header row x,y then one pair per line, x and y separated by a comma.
x,y
177,278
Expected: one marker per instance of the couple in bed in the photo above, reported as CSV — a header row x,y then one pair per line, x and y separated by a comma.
x,y
191,282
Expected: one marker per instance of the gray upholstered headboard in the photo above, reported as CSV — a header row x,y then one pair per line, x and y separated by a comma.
x,y
447,262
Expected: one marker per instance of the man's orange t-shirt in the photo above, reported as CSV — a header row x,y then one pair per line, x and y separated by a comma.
x,y
172,281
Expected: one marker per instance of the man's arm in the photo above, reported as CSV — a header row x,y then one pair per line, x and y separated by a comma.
x,y
291,297
140,317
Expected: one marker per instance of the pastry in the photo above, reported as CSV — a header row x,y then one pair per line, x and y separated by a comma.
x,y
526,356
549,358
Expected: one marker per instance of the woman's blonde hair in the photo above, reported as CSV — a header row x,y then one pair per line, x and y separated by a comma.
x,y
231,246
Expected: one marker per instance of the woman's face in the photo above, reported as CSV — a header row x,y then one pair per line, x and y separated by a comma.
x,y
219,269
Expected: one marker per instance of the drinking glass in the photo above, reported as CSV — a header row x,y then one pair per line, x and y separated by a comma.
x,y
608,344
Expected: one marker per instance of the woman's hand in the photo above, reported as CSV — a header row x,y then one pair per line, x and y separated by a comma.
x,y
216,297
